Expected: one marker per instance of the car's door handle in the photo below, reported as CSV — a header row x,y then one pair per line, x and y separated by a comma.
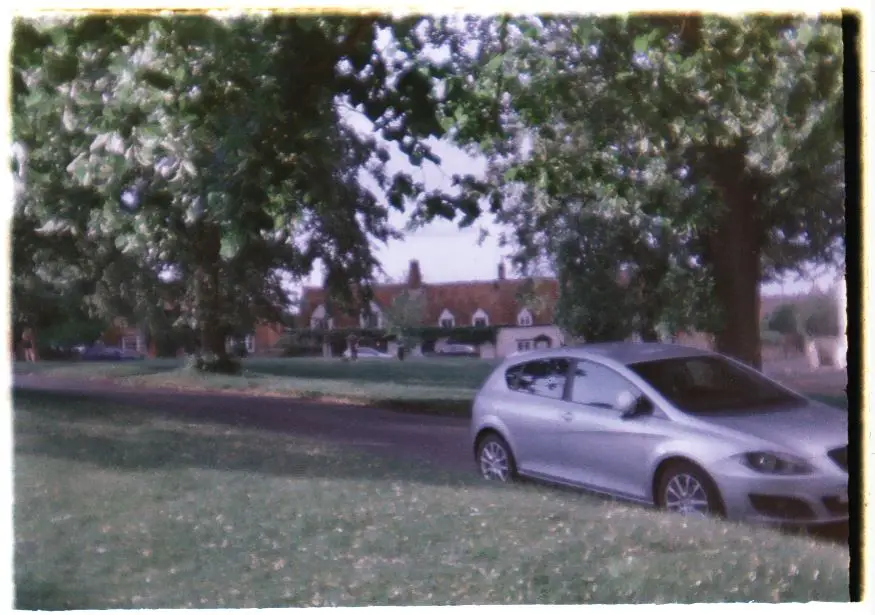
x,y
567,416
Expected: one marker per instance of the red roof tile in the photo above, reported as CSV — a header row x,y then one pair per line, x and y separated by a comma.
x,y
498,298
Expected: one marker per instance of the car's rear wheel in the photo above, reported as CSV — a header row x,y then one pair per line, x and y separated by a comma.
x,y
496,459
687,490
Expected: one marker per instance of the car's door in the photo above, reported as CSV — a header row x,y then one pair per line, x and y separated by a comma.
x,y
532,410
600,448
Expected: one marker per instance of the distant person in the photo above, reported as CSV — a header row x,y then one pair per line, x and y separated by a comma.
x,y
352,343
27,345
401,352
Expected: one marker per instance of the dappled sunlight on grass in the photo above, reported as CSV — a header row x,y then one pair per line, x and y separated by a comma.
x,y
123,508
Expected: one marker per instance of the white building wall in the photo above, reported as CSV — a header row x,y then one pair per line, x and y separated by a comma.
x,y
508,339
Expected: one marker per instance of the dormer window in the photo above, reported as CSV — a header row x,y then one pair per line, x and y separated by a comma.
x,y
320,319
480,319
447,320
372,319
524,318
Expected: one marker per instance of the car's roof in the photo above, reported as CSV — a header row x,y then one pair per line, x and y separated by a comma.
x,y
637,352
626,353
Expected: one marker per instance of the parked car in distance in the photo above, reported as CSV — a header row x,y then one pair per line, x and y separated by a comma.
x,y
368,353
687,430
99,352
457,350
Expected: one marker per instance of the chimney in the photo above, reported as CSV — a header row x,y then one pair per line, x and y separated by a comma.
x,y
414,277
502,273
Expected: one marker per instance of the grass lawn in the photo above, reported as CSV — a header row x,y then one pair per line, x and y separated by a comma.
x,y
119,508
444,386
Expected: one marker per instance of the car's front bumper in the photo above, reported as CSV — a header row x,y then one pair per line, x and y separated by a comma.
x,y
814,499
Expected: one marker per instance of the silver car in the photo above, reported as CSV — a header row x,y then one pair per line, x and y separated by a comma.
x,y
683,429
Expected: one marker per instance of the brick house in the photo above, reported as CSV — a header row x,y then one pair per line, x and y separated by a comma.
x,y
497,303
261,341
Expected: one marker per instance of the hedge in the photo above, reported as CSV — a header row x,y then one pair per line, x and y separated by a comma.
x,y
459,335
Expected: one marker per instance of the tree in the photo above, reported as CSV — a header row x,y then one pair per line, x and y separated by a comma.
x,y
785,319
405,316
618,275
737,121
214,154
820,316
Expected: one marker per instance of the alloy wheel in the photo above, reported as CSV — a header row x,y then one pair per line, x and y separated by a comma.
x,y
495,462
686,495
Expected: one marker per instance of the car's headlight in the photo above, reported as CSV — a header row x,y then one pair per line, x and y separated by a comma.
x,y
775,463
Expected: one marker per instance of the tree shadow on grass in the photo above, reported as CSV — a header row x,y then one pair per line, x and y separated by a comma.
x,y
34,595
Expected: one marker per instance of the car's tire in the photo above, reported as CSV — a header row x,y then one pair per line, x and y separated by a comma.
x,y
495,459
686,489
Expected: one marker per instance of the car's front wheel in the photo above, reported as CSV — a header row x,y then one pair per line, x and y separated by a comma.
x,y
496,459
687,490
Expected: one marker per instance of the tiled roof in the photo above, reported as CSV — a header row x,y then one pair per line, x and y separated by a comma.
x,y
498,298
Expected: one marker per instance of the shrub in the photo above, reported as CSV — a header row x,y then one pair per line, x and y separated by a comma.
x,y
212,364
821,316
785,319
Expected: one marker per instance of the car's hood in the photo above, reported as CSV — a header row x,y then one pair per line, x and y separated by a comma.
x,y
810,428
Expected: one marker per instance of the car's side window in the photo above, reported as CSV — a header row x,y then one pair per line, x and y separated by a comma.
x,y
544,378
599,386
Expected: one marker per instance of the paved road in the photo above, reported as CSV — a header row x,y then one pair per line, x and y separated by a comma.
x,y
441,440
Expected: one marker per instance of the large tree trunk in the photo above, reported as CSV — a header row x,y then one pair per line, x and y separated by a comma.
x,y
734,252
208,305
735,243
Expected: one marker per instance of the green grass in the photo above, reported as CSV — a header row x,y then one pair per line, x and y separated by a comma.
x,y
434,385
95,369
442,386
121,508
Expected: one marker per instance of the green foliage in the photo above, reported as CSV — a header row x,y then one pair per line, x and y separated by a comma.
x,y
724,132
820,315
212,364
405,316
217,154
785,319
338,337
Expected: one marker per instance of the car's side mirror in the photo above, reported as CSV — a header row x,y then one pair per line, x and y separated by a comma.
x,y
635,407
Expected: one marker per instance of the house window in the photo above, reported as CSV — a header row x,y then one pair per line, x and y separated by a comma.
x,y
524,319
447,320
372,319
480,319
319,318
250,344
524,344
321,323
132,342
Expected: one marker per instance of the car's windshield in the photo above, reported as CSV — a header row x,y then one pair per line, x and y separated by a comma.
x,y
711,384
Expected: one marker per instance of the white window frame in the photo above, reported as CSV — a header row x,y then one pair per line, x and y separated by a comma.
x,y
447,315
480,314
319,319
375,311
523,345
138,342
249,341
525,318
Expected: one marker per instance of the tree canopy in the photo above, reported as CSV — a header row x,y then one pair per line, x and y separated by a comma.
x,y
723,133
661,166
217,154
